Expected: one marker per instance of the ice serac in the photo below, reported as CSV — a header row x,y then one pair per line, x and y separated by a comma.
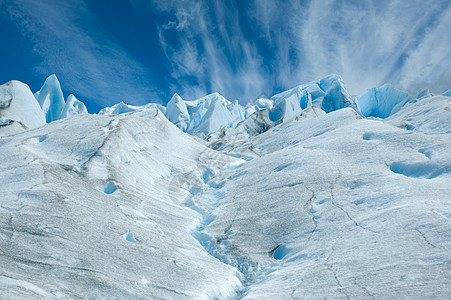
x,y
19,109
258,104
423,94
382,102
199,107
447,93
237,111
73,107
177,113
216,117
122,108
328,93
51,100
336,97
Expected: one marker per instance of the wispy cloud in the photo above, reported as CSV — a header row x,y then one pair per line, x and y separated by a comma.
x,y
85,60
211,53
241,48
367,42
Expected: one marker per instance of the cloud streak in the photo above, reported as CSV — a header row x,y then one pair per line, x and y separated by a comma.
x,y
238,48
369,43
83,58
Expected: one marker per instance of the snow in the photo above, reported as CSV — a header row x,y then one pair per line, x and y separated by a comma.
x,y
306,197
19,109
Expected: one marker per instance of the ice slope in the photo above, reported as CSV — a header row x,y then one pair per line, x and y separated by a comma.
x,y
339,206
19,110
91,207
429,115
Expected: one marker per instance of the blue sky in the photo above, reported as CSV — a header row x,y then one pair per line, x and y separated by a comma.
x,y
143,51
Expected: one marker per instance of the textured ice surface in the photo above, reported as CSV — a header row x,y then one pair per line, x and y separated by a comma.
x,y
337,206
287,203
98,213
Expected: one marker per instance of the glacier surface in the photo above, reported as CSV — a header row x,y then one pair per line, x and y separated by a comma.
x,y
311,194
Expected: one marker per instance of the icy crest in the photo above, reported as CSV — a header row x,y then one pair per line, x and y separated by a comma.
x,y
328,93
122,108
211,113
73,107
19,110
51,100
177,113
382,102
447,93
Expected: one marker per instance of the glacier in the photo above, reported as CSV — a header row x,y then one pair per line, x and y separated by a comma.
x,y
309,194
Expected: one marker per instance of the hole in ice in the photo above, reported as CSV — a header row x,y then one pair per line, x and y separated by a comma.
x,y
109,188
409,127
419,170
129,237
229,232
224,245
281,167
426,153
359,202
322,201
237,175
206,175
217,185
37,139
144,283
368,136
279,252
